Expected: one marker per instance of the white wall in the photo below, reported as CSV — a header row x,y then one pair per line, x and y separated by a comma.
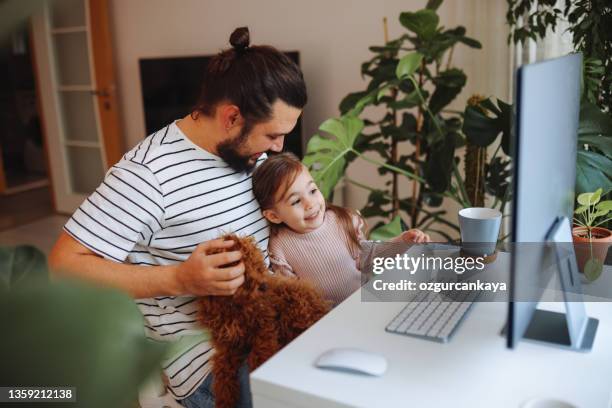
x,y
332,36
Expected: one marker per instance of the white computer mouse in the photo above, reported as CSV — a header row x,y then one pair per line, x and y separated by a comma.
x,y
352,360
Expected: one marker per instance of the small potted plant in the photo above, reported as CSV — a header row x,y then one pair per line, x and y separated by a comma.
x,y
591,241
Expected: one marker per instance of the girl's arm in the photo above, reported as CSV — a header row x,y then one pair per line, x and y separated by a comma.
x,y
278,263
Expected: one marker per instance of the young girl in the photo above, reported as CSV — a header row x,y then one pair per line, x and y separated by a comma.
x,y
312,239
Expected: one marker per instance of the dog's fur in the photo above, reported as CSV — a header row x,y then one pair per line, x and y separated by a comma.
x,y
265,314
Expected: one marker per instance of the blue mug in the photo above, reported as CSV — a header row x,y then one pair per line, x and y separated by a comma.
x,y
479,230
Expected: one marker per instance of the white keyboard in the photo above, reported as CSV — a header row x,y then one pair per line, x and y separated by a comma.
x,y
433,316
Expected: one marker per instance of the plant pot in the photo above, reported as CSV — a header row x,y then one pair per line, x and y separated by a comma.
x,y
596,248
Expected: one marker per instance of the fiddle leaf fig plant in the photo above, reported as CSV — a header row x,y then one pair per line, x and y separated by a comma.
x,y
413,80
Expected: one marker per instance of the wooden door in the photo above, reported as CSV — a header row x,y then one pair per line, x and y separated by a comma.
x,y
77,91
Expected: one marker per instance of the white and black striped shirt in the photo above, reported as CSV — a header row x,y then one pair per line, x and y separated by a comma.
x,y
163,198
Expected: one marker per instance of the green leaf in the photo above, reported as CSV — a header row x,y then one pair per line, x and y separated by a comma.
x,y
408,65
423,22
350,100
470,42
592,171
505,123
599,142
604,206
482,130
479,129
387,231
593,121
382,92
498,174
69,333
438,165
385,48
584,199
20,266
409,101
592,269
448,85
581,209
598,214
326,156
596,196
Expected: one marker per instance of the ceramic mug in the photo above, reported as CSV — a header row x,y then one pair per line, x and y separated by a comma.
x,y
479,230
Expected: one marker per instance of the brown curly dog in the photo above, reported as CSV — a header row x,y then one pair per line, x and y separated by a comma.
x,y
264,315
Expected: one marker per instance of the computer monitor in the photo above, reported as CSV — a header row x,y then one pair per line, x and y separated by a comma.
x,y
547,97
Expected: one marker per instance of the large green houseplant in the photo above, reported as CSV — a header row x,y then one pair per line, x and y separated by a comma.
x,y
589,22
413,78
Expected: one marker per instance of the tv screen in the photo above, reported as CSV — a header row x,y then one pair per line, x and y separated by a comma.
x,y
171,86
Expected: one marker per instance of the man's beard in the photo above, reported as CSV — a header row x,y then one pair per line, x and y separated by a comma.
x,y
228,150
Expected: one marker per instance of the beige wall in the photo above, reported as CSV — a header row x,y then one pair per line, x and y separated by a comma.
x,y
332,36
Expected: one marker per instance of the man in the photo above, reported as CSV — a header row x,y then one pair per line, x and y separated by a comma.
x,y
148,226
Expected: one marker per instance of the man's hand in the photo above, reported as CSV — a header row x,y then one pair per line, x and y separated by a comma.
x,y
204,274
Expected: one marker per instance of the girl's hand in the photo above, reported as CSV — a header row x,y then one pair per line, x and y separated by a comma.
x,y
414,236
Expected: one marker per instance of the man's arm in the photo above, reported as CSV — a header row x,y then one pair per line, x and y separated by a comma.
x,y
201,274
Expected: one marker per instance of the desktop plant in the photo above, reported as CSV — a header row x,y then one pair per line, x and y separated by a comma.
x,y
413,78
591,239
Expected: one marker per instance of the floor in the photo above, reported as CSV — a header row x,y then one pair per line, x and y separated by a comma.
x,y
24,207
41,233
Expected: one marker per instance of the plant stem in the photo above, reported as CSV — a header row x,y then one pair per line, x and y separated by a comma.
x,y
433,118
602,222
408,174
358,184
456,198
417,146
464,195
394,150
450,58
495,154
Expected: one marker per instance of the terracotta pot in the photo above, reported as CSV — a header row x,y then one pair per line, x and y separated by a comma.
x,y
597,246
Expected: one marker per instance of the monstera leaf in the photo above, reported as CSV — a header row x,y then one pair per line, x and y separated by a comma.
x,y
326,156
74,335
482,129
594,161
448,85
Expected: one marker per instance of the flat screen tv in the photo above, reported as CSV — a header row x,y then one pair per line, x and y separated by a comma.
x,y
171,86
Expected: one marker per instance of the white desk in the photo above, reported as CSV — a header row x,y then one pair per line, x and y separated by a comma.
x,y
475,369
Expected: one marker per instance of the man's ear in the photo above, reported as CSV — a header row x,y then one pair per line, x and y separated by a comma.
x,y
271,216
230,116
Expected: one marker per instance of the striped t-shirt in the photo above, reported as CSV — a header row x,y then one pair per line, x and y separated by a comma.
x,y
166,196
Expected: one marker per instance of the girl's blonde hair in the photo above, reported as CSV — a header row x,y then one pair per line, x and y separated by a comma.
x,y
275,175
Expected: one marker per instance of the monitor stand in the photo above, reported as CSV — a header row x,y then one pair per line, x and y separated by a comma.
x,y
573,329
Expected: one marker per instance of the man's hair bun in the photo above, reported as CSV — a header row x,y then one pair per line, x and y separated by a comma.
x,y
240,38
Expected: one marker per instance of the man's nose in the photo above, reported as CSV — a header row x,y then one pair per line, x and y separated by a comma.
x,y
277,146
